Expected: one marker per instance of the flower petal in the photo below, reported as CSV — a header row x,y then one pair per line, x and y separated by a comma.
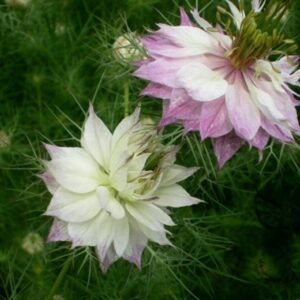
x,y
121,236
243,114
96,139
136,245
176,173
50,182
93,232
155,236
238,16
184,19
72,207
195,41
276,132
149,215
174,196
201,83
161,71
157,90
200,21
109,203
264,101
78,172
107,260
58,231
260,140
225,146
213,120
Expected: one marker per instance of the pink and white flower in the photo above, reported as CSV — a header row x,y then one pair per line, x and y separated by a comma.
x,y
223,85
106,194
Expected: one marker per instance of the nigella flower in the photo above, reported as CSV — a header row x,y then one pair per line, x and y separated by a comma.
x,y
224,84
113,190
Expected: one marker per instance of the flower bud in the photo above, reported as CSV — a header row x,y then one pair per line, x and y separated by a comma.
x,y
4,139
33,243
18,3
128,48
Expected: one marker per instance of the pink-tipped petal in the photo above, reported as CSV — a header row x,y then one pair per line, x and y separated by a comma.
x,y
50,182
108,259
157,90
184,19
243,114
225,147
260,140
58,231
276,132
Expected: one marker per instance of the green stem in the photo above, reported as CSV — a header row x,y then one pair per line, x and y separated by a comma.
x,y
126,100
60,278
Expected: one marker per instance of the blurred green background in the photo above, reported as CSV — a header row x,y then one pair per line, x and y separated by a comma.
x,y
55,57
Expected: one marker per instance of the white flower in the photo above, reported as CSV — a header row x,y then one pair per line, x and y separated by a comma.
x,y
105,196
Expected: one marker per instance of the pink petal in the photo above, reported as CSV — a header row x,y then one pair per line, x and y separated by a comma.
x,y
157,90
242,112
184,19
191,125
284,103
214,120
161,71
189,110
225,147
275,131
260,140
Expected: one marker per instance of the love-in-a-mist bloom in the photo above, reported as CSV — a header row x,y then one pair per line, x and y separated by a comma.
x,y
113,190
223,83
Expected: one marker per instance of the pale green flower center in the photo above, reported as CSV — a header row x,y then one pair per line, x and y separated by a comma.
x,y
260,36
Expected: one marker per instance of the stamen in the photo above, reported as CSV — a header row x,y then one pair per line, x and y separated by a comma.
x,y
260,36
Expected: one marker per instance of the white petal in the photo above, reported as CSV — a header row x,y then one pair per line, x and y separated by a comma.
x,y
136,165
58,231
109,258
50,182
137,243
121,235
125,126
77,172
109,203
118,179
176,174
238,16
265,67
96,139
149,215
155,236
195,40
71,207
264,102
92,232
174,196
201,83
257,6
201,22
